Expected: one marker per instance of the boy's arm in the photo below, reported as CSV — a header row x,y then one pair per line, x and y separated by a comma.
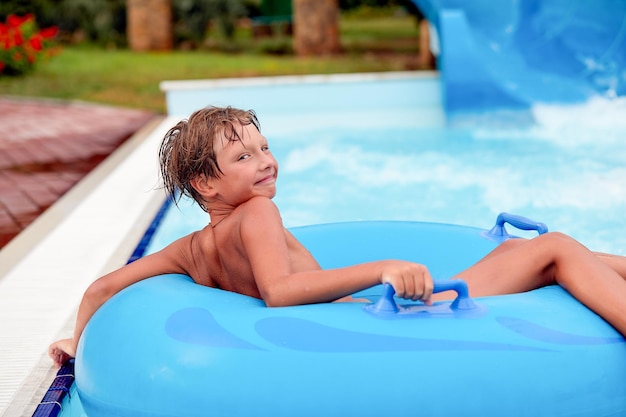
x,y
108,285
266,247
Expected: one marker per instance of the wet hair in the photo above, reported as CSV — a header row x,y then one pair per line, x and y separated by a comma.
x,y
188,149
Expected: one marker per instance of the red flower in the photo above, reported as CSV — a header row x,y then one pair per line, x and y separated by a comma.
x,y
35,43
50,32
17,38
22,44
17,21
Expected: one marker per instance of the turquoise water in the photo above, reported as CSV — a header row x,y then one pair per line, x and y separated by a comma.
x,y
390,154
567,170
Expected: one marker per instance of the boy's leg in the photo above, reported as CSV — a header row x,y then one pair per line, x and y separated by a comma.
x,y
616,262
549,259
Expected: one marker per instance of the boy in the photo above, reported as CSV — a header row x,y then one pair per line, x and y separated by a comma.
x,y
220,159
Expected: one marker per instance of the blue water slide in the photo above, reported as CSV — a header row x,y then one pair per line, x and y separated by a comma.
x,y
509,54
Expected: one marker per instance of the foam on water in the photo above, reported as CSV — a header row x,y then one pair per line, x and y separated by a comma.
x,y
567,170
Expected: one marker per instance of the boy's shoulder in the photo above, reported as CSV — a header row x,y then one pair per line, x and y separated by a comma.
x,y
255,210
249,217
196,255
257,203
202,239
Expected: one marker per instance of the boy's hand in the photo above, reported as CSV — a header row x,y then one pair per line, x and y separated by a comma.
x,y
62,350
409,280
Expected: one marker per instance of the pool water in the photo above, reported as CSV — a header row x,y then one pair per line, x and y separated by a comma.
x,y
408,163
391,154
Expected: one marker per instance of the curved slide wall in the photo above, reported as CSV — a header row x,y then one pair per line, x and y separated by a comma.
x,y
508,54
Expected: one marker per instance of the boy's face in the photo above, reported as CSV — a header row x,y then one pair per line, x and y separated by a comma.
x,y
248,167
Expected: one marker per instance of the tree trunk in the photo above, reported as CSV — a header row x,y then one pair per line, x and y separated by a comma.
x,y
149,24
316,27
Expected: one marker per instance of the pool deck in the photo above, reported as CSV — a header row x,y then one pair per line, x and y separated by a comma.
x,y
47,147
68,171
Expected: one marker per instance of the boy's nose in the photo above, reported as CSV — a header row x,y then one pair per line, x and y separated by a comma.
x,y
267,161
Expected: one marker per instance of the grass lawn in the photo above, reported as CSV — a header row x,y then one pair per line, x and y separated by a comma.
x,y
124,78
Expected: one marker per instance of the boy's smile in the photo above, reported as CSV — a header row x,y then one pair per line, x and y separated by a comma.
x,y
268,179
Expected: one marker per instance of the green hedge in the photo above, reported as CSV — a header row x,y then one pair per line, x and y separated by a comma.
x,y
104,21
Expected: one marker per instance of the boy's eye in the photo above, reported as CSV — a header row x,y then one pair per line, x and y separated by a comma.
x,y
242,157
265,148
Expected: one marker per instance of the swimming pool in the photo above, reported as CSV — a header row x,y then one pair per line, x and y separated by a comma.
x,y
366,147
389,153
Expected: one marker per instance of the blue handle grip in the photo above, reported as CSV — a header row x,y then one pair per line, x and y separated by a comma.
x,y
499,233
386,304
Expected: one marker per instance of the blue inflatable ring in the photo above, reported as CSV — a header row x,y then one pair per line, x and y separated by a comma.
x,y
169,347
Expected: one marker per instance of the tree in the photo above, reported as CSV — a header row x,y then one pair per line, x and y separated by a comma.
x,y
316,27
149,24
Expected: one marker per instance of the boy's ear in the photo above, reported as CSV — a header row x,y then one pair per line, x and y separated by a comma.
x,y
204,186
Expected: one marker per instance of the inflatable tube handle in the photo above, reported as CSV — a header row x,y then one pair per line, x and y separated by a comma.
x,y
386,304
499,233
